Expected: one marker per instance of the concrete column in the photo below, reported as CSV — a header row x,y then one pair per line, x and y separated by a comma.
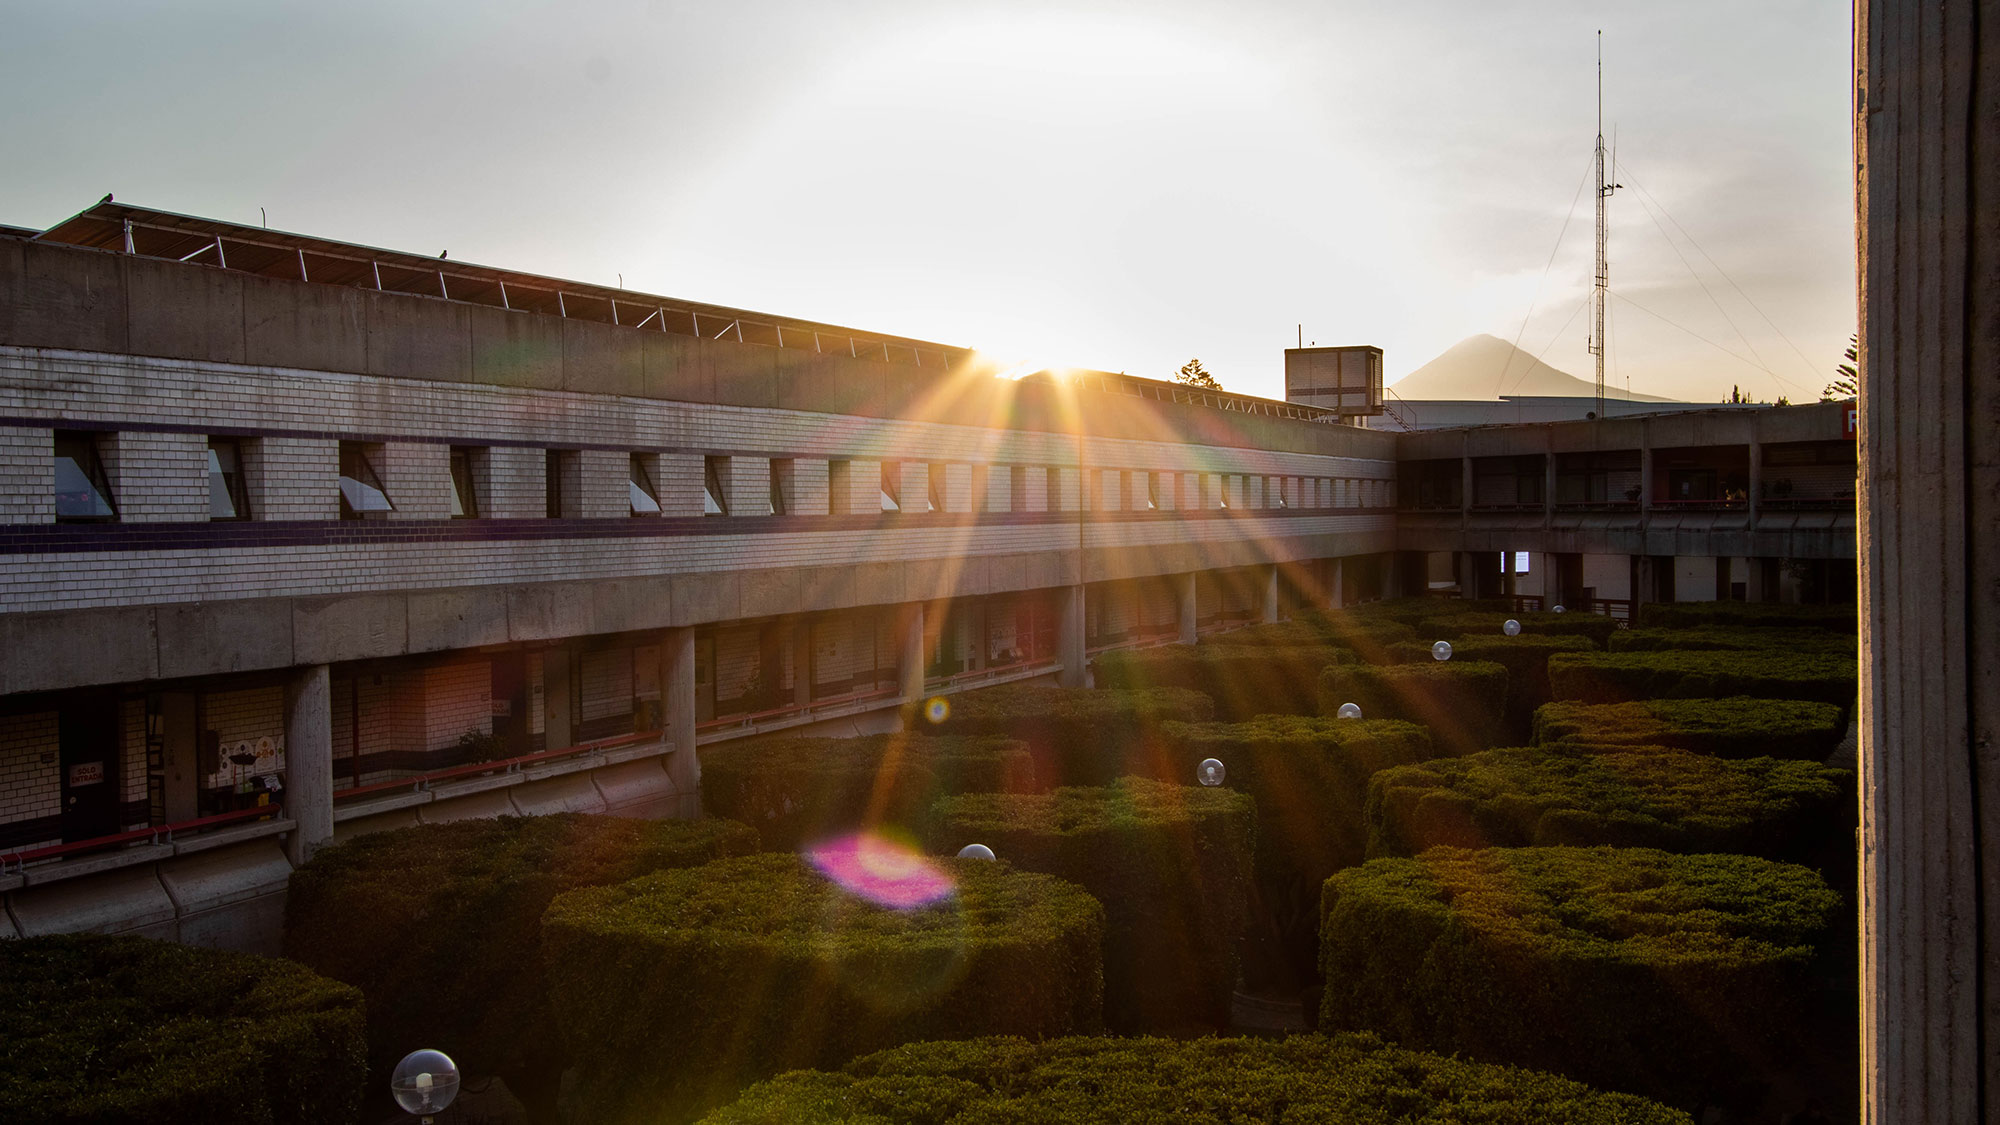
x,y
1070,623
802,651
1335,595
677,704
1753,579
1645,474
1756,480
308,761
1548,489
1465,488
1927,135
1643,582
1271,595
1189,616
558,725
1552,591
910,652
1468,573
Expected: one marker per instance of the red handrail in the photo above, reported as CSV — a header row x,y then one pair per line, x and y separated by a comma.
x,y
508,764
151,834
796,708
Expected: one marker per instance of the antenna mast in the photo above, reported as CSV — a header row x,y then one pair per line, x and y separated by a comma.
x,y
1604,190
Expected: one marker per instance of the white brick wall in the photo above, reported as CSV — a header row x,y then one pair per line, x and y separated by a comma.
x,y
958,487
1000,488
27,475
417,477
1066,488
915,490
514,483
457,698
294,479
30,788
809,487
157,477
680,484
864,487
748,481
604,484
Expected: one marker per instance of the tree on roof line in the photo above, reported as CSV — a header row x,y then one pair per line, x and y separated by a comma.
x,y
1193,374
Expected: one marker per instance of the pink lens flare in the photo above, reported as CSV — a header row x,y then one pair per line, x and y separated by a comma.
x,y
884,872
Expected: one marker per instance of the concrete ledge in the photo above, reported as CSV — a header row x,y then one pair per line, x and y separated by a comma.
x,y
453,790
115,902
491,803
362,821
95,864
573,793
223,876
634,784
375,806
229,836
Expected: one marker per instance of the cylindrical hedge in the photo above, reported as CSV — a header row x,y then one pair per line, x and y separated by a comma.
x,y
1171,864
797,790
117,1030
1078,736
1685,978
1643,797
1243,680
439,925
1463,702
1598,627
1618,677
1686,615
1309,779
1738,727
1305,1078
1713,637
677,989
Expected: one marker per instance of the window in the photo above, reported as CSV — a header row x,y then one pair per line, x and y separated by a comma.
x,y
645,497
839,488
83,493
892,486
1521,564
781,486
226,499
935,479
361,492
561,480
1222,491
714,499
1152,492
1052,489
464,495
1279,499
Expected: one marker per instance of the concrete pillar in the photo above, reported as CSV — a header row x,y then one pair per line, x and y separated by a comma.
x,y
1756,480
1465,487
1927,139
308,761
1548,488
1753,579
1552,591
1642,582
1645,474
677,704
976,621
1190,608
1334,596
558,724
1271,595
1069,636
910,652
1468,572
802,651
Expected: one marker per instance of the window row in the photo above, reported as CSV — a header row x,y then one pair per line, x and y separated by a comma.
x,y
258,478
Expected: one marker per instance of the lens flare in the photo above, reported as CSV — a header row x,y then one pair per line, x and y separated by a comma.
x,y
1350,710
881,871
937,709
1211,771
1441,651
1512,628
975,851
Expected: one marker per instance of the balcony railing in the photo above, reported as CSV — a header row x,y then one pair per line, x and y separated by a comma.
x,y
153,836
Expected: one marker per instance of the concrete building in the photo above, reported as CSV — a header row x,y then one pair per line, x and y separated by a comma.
x,y
302,536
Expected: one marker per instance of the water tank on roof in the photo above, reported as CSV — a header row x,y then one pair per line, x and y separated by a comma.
x,y
1345,380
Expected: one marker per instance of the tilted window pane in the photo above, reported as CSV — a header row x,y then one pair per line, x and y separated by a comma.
x,y
221,505
76,496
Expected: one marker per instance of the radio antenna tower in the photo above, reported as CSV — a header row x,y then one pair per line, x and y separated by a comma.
x,y
1604,190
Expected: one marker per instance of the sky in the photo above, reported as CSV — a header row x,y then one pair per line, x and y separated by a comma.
x,y
1114,185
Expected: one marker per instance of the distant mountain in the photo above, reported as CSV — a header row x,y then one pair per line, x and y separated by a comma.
x,y
1482,368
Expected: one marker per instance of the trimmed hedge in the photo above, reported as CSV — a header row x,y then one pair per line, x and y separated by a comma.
x,y
1078,736
1598,627
678,988
1087,1081
439,925
1711,638
1618,677
1679,977
1243,680
797,790
1644,797
1526,659
1170,863
1687,615
1368,635
1463,702
1309,779
1413,611
1738,727
112,1030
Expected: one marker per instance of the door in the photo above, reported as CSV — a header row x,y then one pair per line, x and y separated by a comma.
x,y
89,754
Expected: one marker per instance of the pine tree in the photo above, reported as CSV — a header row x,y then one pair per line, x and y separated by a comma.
x,y
1193,374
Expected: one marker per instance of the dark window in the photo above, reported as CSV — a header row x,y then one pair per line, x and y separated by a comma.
x,y
1052,489
892,486
1153,492
1278,488
226,499
781,486
361,493
645,498
464,497
934,478
555,471
714,501
83,493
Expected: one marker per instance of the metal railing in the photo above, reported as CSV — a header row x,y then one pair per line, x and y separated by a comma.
x,y
417,783
154,835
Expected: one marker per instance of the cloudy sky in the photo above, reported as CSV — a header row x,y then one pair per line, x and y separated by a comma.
x,y
1117,185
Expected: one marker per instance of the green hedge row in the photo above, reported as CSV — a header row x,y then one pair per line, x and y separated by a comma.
x,y
1687,615
676,989
1171,864
439,925
1526,659
1078,736
1244,681
1618,677
1679,977
1463,702
1281,634
1738,727
1598,627
1414,611
1708,638
116,1030
797,790
1367,635
1644,797
1334,1080
1309,780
